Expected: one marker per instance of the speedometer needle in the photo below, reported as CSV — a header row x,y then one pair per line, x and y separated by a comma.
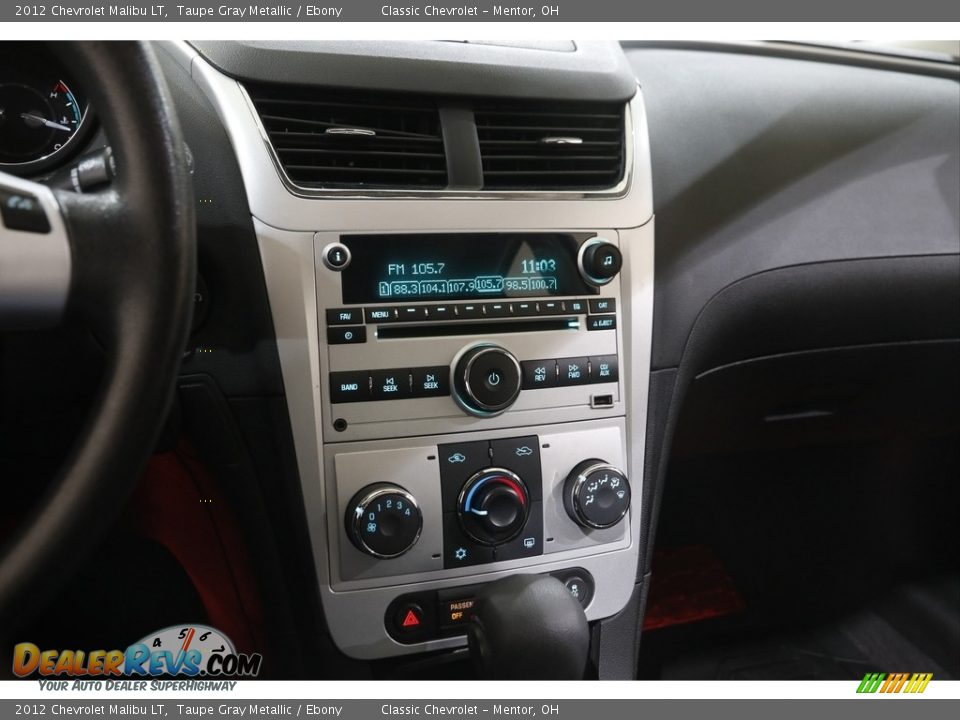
x,y
43,121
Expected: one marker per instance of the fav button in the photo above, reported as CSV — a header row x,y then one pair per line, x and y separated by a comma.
x,y
390,384
344,316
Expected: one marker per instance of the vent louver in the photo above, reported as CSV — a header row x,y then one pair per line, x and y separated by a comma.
x,y
339,140
551,146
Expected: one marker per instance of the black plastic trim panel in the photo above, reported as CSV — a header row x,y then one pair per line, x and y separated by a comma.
x,y
594,71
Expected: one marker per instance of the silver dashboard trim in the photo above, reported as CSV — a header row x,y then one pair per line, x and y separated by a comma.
x,y
618,190
285,224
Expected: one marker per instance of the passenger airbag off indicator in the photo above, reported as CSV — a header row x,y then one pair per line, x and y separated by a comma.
x,y
456,612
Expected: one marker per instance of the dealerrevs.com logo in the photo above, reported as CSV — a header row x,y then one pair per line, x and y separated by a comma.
x,y
193,651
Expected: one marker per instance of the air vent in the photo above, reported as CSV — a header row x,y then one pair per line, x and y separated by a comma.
x,y
337,140
551,146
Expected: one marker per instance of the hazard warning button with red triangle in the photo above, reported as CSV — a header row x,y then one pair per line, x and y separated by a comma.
x,y
409,618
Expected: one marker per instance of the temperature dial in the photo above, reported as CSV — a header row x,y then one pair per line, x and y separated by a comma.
x,y
493,506
596,494
383,520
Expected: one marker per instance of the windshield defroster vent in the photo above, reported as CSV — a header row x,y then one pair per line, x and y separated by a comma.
x,y
336,140
550,146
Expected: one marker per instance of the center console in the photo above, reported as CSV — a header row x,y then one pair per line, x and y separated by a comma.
x,y
466,374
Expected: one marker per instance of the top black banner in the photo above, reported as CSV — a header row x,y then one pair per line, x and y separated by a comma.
x,y
484,11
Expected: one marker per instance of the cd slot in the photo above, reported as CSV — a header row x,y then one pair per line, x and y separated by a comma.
x,y
495,327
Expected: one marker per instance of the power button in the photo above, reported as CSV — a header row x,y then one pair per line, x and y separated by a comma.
x,y
487,380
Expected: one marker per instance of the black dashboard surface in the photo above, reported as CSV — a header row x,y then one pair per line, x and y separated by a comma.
x,y
762,163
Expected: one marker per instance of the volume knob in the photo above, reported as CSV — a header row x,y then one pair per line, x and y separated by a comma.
x,y
486,380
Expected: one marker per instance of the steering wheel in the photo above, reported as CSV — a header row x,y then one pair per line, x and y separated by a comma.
x,y
123,261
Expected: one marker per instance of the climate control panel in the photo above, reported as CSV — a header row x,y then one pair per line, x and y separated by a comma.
x,y
459,505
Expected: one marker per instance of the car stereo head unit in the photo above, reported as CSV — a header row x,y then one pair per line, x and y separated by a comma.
x,y
428,332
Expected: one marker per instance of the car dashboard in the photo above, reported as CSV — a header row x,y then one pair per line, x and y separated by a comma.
x,y
453,298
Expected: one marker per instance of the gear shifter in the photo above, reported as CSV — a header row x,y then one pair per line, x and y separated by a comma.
x,y
529,627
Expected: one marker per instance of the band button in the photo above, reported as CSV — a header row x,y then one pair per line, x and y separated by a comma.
x,y
351,386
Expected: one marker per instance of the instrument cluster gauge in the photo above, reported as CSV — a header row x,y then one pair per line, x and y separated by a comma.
x,y
43,114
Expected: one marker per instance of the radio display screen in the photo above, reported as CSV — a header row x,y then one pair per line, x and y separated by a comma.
x,y
407,268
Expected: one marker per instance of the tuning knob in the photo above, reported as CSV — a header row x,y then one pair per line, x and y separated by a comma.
x,y
486,380
599,261
596,494
493,506
383,520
